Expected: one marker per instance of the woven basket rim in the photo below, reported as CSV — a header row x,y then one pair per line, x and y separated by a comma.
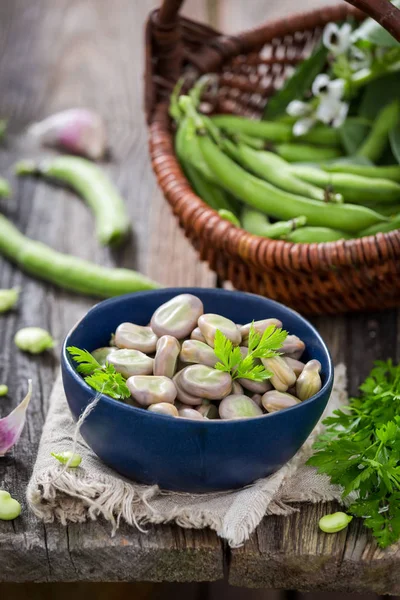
x,y
365,251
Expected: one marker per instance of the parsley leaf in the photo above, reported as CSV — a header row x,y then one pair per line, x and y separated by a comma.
x,y
360,450
259,346
87,362
102,379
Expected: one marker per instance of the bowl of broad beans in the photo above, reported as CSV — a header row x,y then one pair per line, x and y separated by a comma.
x,y
196,389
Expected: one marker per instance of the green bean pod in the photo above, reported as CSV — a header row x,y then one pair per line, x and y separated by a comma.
x,y
188,151
258,224
310,235
275,131
228,215
68,272
212,194
91,183
254,221
354,188
279,204
306,153
381,227
387,210
378,138
275,170
391,172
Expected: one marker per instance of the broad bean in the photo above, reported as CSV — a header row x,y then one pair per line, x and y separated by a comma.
x,y
135,337
166,358
177,317
238,407
334,522
151,389
205,382
209,323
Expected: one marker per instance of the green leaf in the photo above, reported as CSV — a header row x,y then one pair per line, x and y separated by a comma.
x,y
87,362
272,339
394,137
379,93
353,133
298,84
370,31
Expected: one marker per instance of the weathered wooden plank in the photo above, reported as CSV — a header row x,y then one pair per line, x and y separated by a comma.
x,y
53,56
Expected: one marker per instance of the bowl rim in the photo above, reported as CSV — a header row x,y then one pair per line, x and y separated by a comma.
x,y
68,365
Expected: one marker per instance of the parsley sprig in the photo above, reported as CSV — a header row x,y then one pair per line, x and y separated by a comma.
x,y
360,451
103,379
259,346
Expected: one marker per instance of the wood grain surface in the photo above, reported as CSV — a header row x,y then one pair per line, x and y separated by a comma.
x,y
55,55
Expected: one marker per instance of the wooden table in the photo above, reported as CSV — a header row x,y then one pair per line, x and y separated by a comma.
x,y
57,54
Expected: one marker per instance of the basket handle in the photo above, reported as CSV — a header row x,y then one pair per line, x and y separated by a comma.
x,y
383,11
168,13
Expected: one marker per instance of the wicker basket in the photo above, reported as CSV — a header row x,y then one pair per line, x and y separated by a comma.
x,y
334,277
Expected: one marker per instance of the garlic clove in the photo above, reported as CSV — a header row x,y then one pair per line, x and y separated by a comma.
x,y
77,130
11,426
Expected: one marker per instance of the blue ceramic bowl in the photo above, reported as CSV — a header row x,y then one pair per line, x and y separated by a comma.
x,y
180,454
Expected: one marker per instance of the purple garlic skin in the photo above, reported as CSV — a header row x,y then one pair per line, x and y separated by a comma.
x,y
194,351
76,130
182,395
177,317
149,389
130,362
309,382
167,352
12,425
238,406
274,401
209,323
205,382
135,337
259,326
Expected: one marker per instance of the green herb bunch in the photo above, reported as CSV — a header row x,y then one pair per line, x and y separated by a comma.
x,y
360,451
104,379
259,346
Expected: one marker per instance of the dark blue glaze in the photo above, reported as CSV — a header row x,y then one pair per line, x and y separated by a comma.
x,y
179,454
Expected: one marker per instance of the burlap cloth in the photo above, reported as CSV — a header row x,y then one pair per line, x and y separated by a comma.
x,y
93,490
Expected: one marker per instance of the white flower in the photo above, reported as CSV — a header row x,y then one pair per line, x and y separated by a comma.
x,y
330,108
320,84
303,126
296,108
337,39
332,111
323,86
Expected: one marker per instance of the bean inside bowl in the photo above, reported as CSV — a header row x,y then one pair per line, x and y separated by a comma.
x,y
185,453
